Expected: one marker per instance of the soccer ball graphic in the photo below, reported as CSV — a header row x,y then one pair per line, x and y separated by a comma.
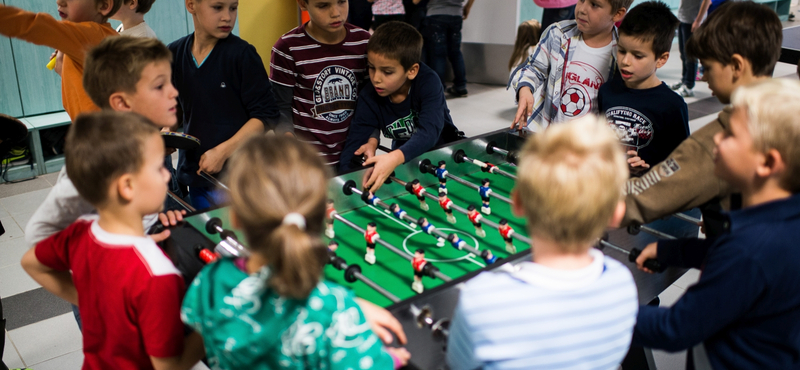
x,y
573,102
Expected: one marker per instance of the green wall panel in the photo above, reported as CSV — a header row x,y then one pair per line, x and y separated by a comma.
x,y
39,87
9,90
168,18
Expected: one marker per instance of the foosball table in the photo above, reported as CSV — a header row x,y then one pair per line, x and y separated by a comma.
x,y
440,219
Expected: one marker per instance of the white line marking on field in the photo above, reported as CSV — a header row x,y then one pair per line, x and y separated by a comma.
x,y
392,218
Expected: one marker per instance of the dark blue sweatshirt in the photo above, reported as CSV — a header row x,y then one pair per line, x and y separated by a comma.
x,y
415,125
229,88
745,308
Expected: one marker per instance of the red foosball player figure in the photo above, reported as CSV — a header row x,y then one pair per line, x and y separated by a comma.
x,y
329,212
475,217
428,228
418,263
371,236
419,191
447,204
506,232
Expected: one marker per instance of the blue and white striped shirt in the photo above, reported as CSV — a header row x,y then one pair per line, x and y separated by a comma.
x,y
543,318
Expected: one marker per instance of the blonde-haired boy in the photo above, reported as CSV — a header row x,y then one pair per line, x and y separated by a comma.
x,y
570,305
744,312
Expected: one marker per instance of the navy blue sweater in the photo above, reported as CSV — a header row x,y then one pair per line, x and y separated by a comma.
x,y
745,308
229,88
415,125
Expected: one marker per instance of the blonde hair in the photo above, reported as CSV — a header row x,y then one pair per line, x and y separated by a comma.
x,y
528,34
773,122
571,178
270,177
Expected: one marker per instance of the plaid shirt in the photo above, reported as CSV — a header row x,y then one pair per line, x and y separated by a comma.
x,y
544,70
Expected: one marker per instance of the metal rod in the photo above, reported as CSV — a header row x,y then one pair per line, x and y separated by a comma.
x,y
387,245
212,180
656,233
500,150
687,218
180,201
375,286
411,220
495,170
614,246
463,210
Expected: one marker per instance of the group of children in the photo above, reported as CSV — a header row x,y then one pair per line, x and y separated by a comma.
x,y
270,310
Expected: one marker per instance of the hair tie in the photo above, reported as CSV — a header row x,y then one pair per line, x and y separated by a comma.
x,y
295,218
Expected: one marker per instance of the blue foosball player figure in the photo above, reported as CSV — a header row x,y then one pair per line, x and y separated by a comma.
x,y
485,192
441,174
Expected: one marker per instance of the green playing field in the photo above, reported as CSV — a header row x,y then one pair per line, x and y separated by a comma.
x,y
395,273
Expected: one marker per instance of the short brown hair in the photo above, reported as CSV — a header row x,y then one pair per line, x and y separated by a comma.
x,y
773,122
269,178
651,21
102,146
144,5
619,4
570,180
116,65
751,30
399,41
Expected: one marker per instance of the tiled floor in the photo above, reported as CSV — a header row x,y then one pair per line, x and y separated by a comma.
x,y
55,342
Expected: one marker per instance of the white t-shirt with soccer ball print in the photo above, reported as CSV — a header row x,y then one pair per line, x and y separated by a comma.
x,y
582,80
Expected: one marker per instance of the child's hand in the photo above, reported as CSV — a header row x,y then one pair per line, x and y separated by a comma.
x,y
382,322
384,165
212,161
524,110
169,218
399,355
59,56
368,149
636,163
649,252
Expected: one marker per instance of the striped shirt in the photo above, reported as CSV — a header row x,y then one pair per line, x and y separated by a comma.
x,y
388,7
325,80
543,318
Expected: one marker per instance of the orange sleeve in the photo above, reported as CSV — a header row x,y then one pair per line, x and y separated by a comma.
x,y
71,38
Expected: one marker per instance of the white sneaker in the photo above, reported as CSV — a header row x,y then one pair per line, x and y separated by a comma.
x,y
424,206
417,287
329,233
685,92
676,86
481,233
369,258
486,210
451,219
510,248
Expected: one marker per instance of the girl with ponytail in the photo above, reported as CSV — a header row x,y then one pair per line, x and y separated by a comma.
x,y
272,310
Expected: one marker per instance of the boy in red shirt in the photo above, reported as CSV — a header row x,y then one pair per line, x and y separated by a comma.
x,y
128,291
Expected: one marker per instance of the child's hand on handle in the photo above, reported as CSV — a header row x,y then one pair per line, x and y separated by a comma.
x,y
169,218
649,252
212,161
368,150
382,322
384,165
636,163
524,110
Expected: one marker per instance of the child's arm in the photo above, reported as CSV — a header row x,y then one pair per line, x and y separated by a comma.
x,y
258,100
460,346
366,120
283,95
54,281
42,29
282,75
62,206
701,14
193,352
532,76
429,127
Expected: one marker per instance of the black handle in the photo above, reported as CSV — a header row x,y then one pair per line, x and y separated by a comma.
x,y
651,264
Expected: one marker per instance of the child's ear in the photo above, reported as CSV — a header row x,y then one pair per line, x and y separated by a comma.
x,y
118,103
302,4
660,61
619,213
772,165
104,8
133,5
516,204
740,66
190,4
413,71
124,185
619,14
